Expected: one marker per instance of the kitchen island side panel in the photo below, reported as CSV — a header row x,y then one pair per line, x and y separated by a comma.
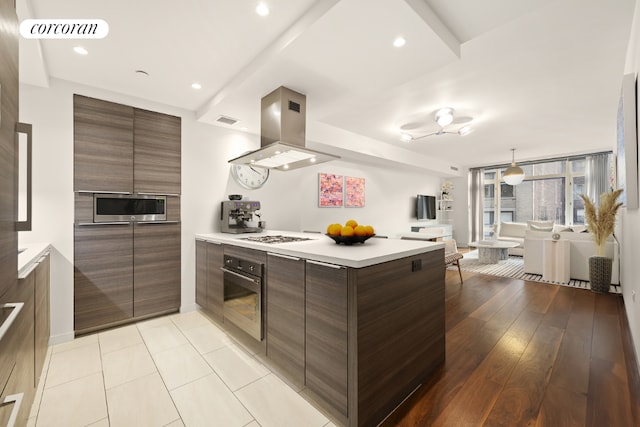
x,y
400,331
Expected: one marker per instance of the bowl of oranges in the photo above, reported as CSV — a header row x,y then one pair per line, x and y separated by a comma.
x,y
349,233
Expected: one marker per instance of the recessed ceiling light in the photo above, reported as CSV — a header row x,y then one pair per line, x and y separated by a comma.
x,y
262,9
80,50
196,85
399,41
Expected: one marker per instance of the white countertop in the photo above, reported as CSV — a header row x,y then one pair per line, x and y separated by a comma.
x,y
30,256
322,248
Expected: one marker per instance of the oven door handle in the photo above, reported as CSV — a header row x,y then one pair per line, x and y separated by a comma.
x,y
241,276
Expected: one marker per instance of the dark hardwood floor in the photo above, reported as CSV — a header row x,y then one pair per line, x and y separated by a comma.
x,y
529,354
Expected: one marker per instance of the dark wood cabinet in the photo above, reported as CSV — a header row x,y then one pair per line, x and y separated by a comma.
x,y
215,282
8,171
119,148
201,274
103,145
156,142
209,281
42,313
103,275
156,268
29,338
356,341
23,377
286,316
327,336
125,272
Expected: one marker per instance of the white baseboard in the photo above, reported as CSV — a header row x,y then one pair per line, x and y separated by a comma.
x,y
61,338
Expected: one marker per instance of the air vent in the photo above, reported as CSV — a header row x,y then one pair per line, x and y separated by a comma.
x,y
226,120
453,168
294,106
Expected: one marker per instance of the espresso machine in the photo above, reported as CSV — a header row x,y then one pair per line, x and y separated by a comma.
x,y
235,214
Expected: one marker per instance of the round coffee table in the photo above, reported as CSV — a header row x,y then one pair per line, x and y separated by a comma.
x,y
493,251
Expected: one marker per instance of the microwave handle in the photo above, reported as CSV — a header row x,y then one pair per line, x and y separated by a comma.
x,y
27,129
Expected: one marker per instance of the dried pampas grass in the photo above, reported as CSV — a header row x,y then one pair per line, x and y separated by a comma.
x,y
601,221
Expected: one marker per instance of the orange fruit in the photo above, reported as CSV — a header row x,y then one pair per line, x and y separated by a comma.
x,y
346,231
369,230
334,229
360,230
351,223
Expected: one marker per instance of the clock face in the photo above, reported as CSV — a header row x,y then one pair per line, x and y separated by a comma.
x,y
250,177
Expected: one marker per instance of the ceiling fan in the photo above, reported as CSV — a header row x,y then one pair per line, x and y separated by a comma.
x,y
444,118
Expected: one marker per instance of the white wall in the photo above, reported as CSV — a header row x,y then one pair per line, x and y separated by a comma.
x,y
630,219
289,199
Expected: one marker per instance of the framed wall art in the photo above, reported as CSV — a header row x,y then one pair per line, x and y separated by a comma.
x,y
627,144
354,192
330,190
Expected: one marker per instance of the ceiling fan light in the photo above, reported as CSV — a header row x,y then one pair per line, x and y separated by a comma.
x,y
406,137
465,130
444,116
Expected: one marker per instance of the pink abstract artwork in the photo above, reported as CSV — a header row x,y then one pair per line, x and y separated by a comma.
x,y
330,190
354,192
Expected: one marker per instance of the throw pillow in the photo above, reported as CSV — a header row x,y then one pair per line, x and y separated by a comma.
x,y
540,224
540,228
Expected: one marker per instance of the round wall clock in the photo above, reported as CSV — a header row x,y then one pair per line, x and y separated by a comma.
x,y
251,177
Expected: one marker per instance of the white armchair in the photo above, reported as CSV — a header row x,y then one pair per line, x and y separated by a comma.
x,y
581,248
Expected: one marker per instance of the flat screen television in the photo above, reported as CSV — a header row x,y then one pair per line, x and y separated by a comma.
x,y
425,207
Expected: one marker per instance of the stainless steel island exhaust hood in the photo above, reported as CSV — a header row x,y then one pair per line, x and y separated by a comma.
x,y
282,134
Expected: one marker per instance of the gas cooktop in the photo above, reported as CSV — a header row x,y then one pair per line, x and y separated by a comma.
x,y
275,239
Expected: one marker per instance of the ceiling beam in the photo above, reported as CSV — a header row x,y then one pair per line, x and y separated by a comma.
x,y
429,16
315,12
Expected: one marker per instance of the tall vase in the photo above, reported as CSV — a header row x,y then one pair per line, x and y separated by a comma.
x,y
600,273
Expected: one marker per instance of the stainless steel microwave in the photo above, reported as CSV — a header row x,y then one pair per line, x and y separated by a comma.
x,y
129,207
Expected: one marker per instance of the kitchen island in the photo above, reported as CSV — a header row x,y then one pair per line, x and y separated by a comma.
x,y
356,329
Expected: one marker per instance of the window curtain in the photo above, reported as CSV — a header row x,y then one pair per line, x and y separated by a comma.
x,y
476,204
597,176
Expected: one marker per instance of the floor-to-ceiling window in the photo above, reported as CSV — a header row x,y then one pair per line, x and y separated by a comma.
x,y
549,192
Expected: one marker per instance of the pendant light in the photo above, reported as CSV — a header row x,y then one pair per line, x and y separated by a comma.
x,y
514,175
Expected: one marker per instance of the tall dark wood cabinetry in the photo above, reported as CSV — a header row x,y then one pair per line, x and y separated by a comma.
x,y
102,145
103,279
127,271
8,201
8,167
156,268
156,153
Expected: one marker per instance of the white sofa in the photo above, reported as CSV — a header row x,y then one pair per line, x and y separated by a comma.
x,y
515,232
581,248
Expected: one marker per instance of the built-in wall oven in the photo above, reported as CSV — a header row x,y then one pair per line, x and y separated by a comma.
x,y
114,207
243,295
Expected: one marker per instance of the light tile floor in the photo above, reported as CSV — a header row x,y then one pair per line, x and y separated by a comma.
x,y
177,370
